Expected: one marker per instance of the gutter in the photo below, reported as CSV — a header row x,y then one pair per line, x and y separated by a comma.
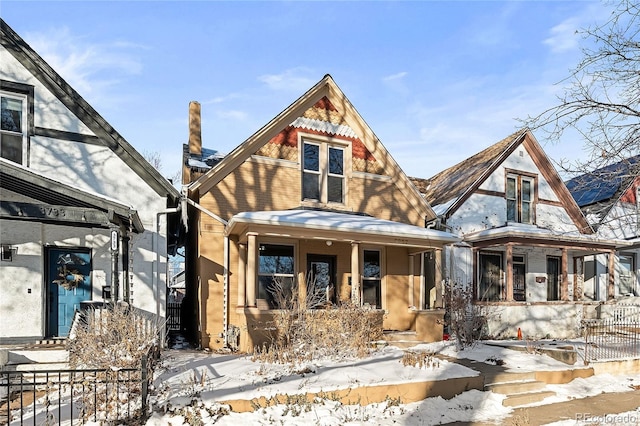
x,y
225,273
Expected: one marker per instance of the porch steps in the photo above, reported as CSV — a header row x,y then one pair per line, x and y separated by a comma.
x,y
519,388
401,339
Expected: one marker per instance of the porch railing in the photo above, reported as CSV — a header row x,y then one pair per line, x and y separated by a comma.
x,y
616,337
76,395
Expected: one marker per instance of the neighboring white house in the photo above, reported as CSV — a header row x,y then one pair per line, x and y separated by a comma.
x,y
73,189
524,239
610,199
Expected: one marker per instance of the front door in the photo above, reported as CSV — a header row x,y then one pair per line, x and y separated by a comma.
x,y
627,278
553,278
69,283
321,288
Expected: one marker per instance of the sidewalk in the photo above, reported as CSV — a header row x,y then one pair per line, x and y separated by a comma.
x,y
598,409
591,409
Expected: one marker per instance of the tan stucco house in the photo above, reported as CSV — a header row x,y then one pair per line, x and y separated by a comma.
x,y
311,196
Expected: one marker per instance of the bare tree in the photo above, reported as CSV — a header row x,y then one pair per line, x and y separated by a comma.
x,y
601,99
153,157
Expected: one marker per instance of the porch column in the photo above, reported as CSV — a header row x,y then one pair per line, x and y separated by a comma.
x,y
564,286
242,275
411,283
355,273
509,286
252,260
578,277
611,289
439,282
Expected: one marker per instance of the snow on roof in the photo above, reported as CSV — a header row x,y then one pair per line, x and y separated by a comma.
x,y
441,209
333,221
531,231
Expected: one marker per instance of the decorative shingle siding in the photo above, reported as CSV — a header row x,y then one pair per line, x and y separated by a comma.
x,y
324,120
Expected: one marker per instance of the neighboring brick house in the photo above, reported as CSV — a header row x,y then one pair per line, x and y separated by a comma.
x,y
312,194
83,215
524,239
610,199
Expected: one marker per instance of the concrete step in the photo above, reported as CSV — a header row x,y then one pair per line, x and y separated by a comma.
x,y
526,398
510,388
41,366
496,376
400,336
401,339
38,356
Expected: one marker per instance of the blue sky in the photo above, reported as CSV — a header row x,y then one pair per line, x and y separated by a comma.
x,y
436,81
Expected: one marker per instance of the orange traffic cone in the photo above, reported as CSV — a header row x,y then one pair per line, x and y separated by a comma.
x,y
519,334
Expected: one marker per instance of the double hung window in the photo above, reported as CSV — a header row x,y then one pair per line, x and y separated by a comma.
x,y
276,275
323,172
519,195
13,129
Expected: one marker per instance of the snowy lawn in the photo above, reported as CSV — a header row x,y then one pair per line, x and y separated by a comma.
x,y
192,384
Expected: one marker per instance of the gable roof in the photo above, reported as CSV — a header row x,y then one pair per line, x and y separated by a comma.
x,y
449,189
106,134
326,87
21,180
598,191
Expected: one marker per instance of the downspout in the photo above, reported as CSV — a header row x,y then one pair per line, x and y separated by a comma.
x,y
156,276
225,272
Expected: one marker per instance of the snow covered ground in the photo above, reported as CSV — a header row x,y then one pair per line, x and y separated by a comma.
x,y
192,384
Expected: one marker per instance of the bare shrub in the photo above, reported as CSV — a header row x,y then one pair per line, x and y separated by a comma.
x,y
309,327
112,338
420,359
466,321
112,342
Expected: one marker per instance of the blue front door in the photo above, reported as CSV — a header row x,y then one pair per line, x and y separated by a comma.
x,y
69,278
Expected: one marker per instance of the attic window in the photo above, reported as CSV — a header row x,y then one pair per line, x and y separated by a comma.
x,y
13,130
519,193
323,172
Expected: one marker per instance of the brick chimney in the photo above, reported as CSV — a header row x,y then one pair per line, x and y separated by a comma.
x,y
195,129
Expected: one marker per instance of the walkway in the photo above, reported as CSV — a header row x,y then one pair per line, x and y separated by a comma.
x,y
598,409
592,409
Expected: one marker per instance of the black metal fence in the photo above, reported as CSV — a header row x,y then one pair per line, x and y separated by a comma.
x,y
173,316
76,395
616,337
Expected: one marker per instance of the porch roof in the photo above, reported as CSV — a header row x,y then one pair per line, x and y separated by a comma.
x,y
531,234
314,224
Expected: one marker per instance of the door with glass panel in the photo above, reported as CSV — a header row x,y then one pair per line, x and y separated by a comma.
x,y
321,286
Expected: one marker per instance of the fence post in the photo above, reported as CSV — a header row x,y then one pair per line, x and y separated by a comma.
x,y
144,374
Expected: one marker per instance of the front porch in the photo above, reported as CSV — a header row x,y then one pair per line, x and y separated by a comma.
x,y
341,259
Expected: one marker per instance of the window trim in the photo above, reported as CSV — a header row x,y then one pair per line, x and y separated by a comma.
x,y
25,92
294,275
324,144
382,292
502,289
515,259
632,269
520,177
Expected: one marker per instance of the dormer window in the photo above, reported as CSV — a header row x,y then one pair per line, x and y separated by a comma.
x,y
323,172
519,195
